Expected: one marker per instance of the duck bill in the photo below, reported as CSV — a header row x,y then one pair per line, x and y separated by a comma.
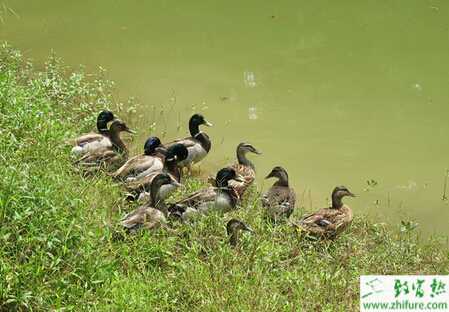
x,y
131,131
206,123
352,194
270,175
257,152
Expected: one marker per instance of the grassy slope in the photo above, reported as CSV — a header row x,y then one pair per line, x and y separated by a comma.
x,y
57,247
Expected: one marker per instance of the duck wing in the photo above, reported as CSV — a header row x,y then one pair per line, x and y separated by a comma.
x,y
187,142
143,216
202,196
137,164
142,182
326,221
93,146
102,156
86,138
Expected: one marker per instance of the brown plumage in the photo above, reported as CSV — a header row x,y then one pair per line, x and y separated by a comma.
x,y
279,201
329,222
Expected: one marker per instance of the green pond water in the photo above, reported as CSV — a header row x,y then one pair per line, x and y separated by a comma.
x,y
337,92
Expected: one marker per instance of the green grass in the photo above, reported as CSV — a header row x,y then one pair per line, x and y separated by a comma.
x,y
58,248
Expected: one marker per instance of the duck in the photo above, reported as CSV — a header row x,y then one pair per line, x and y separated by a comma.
x,y
329,222
174,155
222,197
152,215
244,167
152,160
279,201
198,144
82,144
113,150
233,229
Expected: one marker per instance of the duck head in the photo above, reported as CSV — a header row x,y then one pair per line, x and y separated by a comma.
x,y
120,126
279,173
176,153
102,120
195,122
158,181
244,148
151,144
337,195
233,227
225,175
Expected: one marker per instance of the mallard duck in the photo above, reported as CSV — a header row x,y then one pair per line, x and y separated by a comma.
x,y
244,167
113,150
198,144
222,197
175,153
329,222
90,141
279,201
233,228
138,166
150,215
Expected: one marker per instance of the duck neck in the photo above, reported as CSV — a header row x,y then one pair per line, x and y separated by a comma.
x,y
117,142
241,157
204,141
172,168
154,194
336,202
224,188
234,238
194,128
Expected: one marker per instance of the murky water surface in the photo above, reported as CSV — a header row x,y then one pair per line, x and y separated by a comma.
x,y
338,92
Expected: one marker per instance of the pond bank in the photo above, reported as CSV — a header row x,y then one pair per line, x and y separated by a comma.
x,y
57,247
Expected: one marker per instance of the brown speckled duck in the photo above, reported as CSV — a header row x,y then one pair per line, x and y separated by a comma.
x,y
279,201
244,168
329,222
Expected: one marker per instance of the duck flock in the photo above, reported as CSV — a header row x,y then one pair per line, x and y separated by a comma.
x,y
152,176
